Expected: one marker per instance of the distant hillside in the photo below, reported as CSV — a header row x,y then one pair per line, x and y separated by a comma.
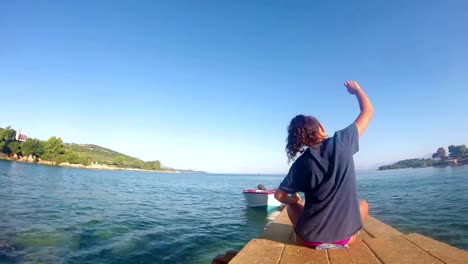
x,y
107,156
99,154
17,146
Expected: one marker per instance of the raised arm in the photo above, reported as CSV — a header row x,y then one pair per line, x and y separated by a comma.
x,y
367,111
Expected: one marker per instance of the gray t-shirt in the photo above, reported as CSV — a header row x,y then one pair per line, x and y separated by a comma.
x,y
325,174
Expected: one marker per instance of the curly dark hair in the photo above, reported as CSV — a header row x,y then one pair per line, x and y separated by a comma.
x,y
303,132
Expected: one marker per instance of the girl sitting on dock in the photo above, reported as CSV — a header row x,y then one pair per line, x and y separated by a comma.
x,y
324,172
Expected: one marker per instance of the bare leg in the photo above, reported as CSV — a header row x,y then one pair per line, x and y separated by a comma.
x,y
294,213
364,208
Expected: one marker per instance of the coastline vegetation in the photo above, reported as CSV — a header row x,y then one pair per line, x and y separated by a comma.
x,y
55,151
458,155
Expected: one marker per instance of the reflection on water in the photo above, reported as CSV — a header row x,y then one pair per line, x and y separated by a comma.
x,y
258,217
256,214
261,214
56,215
52,214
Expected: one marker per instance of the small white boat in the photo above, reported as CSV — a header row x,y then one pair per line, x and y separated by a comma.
x,y
256,198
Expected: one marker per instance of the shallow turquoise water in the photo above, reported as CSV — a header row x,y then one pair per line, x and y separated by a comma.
x,y
53,214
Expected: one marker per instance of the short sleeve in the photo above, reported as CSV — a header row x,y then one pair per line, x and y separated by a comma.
x,y
349,137
293,182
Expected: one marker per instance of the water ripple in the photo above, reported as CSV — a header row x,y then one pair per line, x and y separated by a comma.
x,y
59,215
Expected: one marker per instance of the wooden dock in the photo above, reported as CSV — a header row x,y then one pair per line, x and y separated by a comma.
x,y
378,243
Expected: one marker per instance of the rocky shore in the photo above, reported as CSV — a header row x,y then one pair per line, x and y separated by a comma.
x,y
94,166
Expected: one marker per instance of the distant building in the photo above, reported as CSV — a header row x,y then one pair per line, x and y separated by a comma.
x,y
20,137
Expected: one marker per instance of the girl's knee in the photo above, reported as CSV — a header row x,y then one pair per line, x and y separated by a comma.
x,y
363,205
364,209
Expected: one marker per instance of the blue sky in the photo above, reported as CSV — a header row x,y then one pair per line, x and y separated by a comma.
x,y
212,85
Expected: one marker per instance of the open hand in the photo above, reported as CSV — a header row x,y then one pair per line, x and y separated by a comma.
x,y
353,87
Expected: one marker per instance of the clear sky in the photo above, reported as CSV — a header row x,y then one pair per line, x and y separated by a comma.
x,y
212,85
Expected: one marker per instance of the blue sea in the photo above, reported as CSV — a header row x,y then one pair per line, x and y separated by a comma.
x,y
63,215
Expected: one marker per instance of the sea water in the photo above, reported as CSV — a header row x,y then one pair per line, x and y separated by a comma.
x,y
63,215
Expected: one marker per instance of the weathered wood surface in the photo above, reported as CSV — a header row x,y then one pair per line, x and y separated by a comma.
x,y
378,243
398,249
260,251
375,228
442,251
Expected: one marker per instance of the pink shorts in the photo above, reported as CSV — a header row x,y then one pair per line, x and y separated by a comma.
x,y
343,242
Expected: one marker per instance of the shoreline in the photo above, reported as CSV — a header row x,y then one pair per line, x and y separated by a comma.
x,y
81,166
433,166
425,163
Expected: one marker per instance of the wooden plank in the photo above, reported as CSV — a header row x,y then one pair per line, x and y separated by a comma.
x,y
363,234
442,251
277,232
377,243
398,249
301,254
283,217
369,220
339,256
361,254
377,229
259,251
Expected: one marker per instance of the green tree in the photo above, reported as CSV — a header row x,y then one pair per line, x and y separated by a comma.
x,y
2,146
118,161
73,158
59,159
85,159
440,154
7,134
137,164
53,148
33,147
152,165
457,151
14,147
